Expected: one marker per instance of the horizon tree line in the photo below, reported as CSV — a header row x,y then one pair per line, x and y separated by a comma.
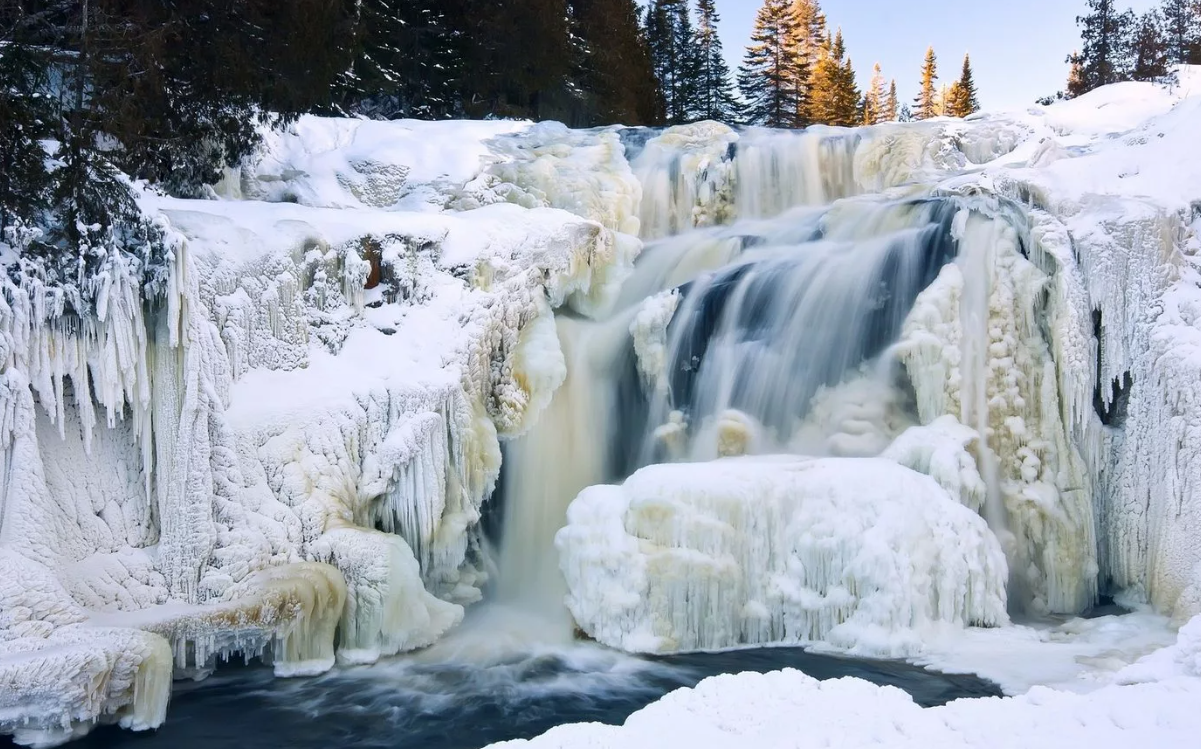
x,y
1119,45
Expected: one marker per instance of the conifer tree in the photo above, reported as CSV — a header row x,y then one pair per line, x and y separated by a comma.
x,y
963,98
892,105
1149,48
674,57
1104,56
1182,31
25,121
875,99
846,91
823,82
833,96
767,77
810,40
407,61
925,106
715,99
615,73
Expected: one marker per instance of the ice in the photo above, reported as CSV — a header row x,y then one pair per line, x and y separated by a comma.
x,y
861,553
285,450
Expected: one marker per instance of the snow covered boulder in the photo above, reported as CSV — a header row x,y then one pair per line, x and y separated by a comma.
x,y
861,553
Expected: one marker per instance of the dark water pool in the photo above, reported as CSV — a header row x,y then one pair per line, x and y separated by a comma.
x,y
423,704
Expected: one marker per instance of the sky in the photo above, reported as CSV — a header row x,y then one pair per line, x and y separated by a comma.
x,y
1017,47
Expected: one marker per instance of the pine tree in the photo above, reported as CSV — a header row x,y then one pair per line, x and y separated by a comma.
x,y
809,42
1149,48
767,77
1104,58
25,121
846,92
520,59
716,92
1182,31
892,105
676,62
963,99
875,99
407,62
615,73
823,83
926,104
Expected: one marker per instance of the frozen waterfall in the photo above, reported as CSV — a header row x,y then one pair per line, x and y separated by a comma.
x,y
736,386
782,306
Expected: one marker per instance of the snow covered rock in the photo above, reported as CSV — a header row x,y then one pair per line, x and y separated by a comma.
x,y
861,553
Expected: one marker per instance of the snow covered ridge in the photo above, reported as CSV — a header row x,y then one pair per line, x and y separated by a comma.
x,y
287,453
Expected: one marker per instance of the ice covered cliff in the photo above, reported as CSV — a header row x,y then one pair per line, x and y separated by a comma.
x,y
285,451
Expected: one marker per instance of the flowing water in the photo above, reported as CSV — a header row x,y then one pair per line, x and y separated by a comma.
x,y
467,692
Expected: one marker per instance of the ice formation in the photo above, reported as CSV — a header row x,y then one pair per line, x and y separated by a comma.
x,y
861,553
284,450
281,442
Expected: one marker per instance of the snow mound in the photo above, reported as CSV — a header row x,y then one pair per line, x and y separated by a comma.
x,y
349,163
789,709
861,553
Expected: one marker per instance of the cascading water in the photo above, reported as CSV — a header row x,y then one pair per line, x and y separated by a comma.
x,y
804,294
772,333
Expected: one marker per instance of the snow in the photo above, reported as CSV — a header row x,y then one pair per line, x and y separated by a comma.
x,y
861,553
789,709
344,163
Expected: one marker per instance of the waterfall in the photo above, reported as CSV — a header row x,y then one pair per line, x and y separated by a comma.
x,y
770,313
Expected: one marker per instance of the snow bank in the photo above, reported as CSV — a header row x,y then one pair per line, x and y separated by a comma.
x,y
348,163
861,553
789,709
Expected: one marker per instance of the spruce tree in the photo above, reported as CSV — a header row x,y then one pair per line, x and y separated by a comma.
x,y
963,99
520,57
767,77
716,100
407,61
874,98
674,57
925,106
846,91
615,73
1182,31
1149,48
823,86
810,40
892,105
26,117
1104,58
